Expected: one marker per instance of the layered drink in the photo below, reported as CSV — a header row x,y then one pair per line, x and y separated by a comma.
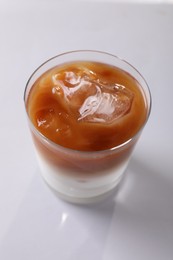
x,y
86,115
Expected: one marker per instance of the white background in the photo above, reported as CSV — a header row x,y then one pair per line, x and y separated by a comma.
x,y
137,224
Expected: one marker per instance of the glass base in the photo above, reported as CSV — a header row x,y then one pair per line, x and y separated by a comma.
x,y
81,191
85,201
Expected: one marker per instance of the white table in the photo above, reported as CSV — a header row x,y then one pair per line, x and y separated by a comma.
x,y
137,224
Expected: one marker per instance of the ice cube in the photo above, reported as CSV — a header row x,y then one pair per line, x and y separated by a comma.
x,y
66,78
45,118
104,106
72,78
82,92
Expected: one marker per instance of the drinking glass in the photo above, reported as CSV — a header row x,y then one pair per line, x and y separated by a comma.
x,y
84,176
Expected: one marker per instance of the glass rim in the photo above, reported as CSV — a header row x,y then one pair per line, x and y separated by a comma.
x,y
83,152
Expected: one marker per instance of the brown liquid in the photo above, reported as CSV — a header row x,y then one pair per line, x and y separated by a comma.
x,y
87,106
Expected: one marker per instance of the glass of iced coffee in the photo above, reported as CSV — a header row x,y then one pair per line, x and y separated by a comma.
x,y
86,111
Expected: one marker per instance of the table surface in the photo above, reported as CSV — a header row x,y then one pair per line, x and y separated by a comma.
x,y
135,224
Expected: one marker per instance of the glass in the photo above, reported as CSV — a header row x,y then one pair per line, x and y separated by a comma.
x,y
83,176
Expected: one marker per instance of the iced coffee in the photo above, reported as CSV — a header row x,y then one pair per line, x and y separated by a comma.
x,y
85,119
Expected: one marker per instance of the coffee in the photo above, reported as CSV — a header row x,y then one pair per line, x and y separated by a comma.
x,y
87,106
86,110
